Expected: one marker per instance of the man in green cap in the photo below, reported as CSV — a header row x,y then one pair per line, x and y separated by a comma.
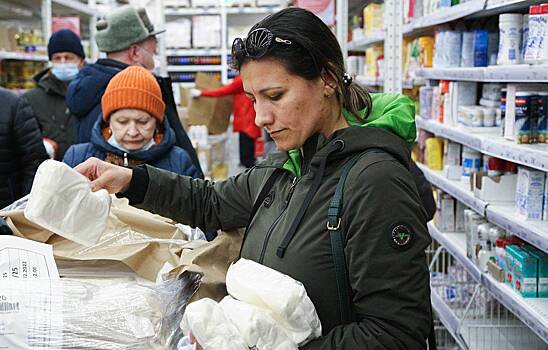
x,y
128,38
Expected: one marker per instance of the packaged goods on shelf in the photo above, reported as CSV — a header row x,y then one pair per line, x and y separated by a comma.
x,y
523,268
355,65
446,218
426,48
372,18
448,48
372,55
210,38
511,32
425,101
21,40
434,153
178,33
271,2
529,193
536,48
205,3
248,3
542,269
471,222
16,74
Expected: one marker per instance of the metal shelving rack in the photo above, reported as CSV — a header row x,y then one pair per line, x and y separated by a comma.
x,y
224,51
532,314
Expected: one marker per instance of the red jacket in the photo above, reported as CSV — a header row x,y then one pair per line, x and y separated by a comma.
x,y
242,107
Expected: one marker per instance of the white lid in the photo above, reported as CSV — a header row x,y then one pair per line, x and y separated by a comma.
x,y
511,17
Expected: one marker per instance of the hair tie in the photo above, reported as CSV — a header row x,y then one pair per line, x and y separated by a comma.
x,y
347,79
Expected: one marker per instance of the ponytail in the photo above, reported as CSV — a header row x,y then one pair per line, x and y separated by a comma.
x,y
355,98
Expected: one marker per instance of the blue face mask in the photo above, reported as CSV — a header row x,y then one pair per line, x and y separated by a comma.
x,y
65,71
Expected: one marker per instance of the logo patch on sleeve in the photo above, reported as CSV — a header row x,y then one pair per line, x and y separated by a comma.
x,y
401,236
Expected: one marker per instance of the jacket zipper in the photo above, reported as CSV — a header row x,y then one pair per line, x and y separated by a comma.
x,y
126,163
269,233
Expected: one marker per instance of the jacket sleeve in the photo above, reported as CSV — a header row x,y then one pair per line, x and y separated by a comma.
x,y
224,205
389,282
425,190
30,147
235,87
394,112
70,157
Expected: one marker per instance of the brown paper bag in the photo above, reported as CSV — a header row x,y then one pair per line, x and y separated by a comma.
x,y
214,112
142,241
211,260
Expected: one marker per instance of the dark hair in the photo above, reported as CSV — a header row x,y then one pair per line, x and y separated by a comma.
x,y
313,53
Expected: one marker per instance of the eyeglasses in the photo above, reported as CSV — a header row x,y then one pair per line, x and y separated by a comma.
x,y
256,44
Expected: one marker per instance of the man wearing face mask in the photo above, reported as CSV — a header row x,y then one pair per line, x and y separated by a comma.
x,y
47,100
128,38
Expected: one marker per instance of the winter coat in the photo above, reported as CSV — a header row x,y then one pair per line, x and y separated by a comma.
x,y
48,104
388,276
164,155
21,147
84,101
242,107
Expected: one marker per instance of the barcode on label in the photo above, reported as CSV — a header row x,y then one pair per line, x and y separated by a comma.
x,y
9,307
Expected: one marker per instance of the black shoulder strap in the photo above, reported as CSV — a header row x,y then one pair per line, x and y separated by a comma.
x,y
260,199
337,250
337,245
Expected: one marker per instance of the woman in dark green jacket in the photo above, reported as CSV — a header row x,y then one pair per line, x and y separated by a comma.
x,y
293,71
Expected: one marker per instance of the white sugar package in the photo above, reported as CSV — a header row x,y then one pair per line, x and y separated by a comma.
x,y
257,325
211,328
61,201
264,287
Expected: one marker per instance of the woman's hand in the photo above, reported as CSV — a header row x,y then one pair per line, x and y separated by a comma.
x,y
104,175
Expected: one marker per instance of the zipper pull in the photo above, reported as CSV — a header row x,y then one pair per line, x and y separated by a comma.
x,y
291,189
126,163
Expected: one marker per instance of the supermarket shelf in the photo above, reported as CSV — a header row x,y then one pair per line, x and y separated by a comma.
x,y
78,6
6,55
507,5
369,81
193,52
361,44
532,312
185,84
190,11
447,317
455,188
522,73
488,141
195,68
445,15
455,243
252,10
505,216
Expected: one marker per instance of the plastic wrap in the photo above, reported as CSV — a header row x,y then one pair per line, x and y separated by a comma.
x,y
95,314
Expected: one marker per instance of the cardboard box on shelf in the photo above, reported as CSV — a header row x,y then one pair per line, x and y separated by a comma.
x,y
495,271
495,188
183,117
184,97
214,112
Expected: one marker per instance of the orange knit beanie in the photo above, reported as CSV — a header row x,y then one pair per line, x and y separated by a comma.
x,y
133,88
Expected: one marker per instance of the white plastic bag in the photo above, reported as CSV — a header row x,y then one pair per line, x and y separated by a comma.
x,y
264,287
61,201
211,328
257,325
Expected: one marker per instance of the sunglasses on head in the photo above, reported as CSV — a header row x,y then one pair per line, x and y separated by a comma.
x,y
256,44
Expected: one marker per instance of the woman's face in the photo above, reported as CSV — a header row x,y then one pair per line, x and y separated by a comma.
x,y
291,108
132,128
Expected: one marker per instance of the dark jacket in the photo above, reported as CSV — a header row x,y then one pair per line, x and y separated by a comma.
x,y
84,101
164,155
389,281
48,103
21,147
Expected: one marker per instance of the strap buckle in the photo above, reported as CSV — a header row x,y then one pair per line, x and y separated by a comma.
x,y
333,228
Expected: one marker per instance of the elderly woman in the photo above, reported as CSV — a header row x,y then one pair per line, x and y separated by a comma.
x,y
133,129
335,208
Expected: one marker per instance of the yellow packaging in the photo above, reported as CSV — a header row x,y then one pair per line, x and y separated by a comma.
x,y
434,153
372,53
372,18
426,47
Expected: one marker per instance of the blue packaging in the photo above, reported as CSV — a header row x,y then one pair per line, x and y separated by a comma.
x,y
481,47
